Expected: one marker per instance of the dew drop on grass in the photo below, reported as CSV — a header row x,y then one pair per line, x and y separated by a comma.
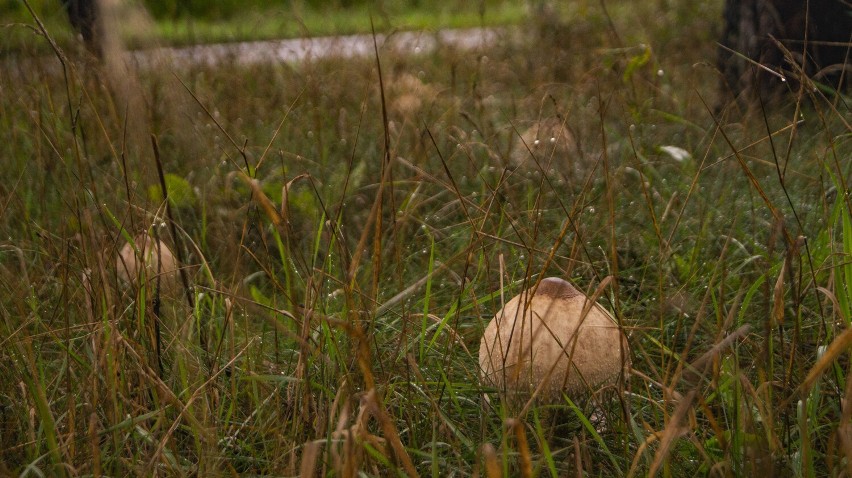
x,y
536,142
591,210
660,72
552,139
632,128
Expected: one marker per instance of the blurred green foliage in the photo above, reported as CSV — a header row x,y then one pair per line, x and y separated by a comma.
x,y
220,9
210,9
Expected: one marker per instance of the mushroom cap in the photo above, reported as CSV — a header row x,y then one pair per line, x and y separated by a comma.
x,y
408,95
546,139
150,260
546,331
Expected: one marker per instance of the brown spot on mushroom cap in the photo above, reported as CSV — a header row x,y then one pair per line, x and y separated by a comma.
x,y
151,260
544,337
557,288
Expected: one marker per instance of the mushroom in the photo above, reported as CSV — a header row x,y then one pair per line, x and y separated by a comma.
x,y
552,338
408,95
546,140
149,260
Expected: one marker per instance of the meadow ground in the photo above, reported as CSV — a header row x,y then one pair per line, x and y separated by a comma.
x,y
348,227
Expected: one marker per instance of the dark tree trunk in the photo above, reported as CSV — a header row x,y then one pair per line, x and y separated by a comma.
x,y
787,38
83,15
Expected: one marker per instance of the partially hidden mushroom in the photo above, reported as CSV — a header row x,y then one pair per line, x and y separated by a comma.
x,y
554,339
546,143
408,96
148,261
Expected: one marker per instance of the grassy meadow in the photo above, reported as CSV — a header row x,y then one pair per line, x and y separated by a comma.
x,y
348,227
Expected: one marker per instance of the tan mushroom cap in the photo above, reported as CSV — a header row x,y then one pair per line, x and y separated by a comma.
x,y
408,95
550,341
548,140
159,265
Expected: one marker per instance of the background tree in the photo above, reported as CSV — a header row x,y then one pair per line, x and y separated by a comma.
x,y
83,15
788,38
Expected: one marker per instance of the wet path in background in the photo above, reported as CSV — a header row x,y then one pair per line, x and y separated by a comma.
x,y
302,49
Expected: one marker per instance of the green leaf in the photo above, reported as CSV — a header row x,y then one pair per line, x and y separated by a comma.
x,y
179,189
636,62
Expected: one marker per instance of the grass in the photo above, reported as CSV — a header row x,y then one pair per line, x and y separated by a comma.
x,y
292,23
344,266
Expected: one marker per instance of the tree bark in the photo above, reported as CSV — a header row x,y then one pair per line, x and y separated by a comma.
x,y
83,15
767,45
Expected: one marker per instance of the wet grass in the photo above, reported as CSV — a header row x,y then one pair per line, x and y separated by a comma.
x,y
347,242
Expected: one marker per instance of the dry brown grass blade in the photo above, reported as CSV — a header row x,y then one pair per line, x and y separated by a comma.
x,y
748,172
765,412
492,465
262,199
756,143
578,458
520,432
844,430
778,297
633,466
806,85
837,347
285,194
834,302
391,435
698,367
673,430
278,129
408,291
183,412
692,376
308,467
